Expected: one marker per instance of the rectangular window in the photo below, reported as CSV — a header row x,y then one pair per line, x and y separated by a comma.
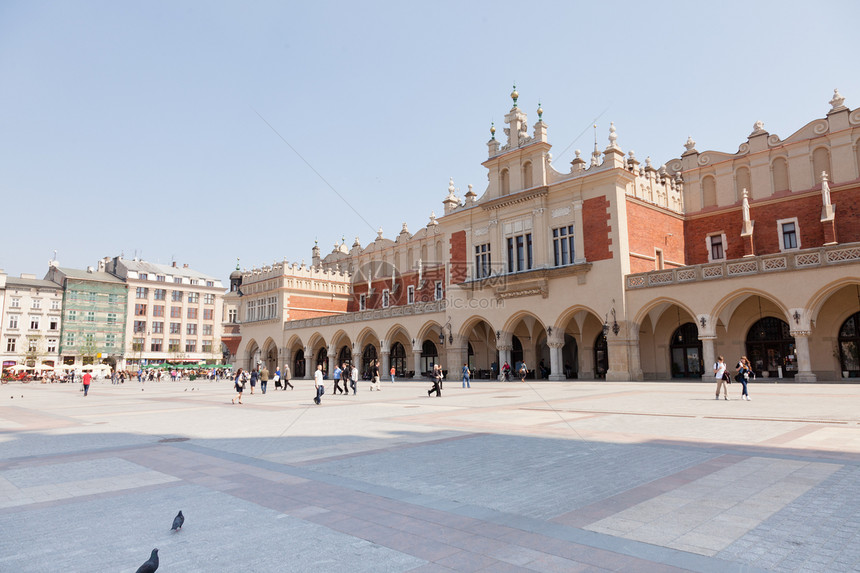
x,y
10,344
55,305
143,276
91,316
89,339
158,328
36,303
410,294
158,310
206,346
137,344
70,339
15,303
159,278
362,302
175,328
176,296
110,340
175,312
385,298
192,313
173,345
72,316
34,323
140,310
482,261
13,321
208,298
210,283
54,323
73,295
716,249
232,315
177,280
194,281
438,293
207,330
190,346
140,326
659,262
141,292
113,298
520,253
159,293
31,344
111,318
194,297
562,245
155,345
208,314
788,239
52,345
191,328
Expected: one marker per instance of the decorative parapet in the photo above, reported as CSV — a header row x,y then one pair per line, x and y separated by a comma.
x,y
367,315
805,259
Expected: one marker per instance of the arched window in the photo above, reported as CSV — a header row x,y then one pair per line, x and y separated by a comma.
x,y
527,175
398,359
368,358
770,347
504,182
849,346
742,181
709,191
686,349
821,162
344,356
429,356
779,170
299,364
439,253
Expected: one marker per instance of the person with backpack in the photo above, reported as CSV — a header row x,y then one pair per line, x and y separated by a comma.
x,y
721,376
744,369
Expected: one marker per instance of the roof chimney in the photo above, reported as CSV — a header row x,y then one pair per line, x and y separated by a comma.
x,y
185,266
174,264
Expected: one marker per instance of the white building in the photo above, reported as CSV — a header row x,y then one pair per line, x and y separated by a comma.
x,y
30,319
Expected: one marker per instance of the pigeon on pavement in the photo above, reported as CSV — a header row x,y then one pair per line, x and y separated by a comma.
x,y
151,564
178,521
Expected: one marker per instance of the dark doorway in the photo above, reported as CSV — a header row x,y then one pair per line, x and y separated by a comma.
x,y
849,346
299,364
429,356
570,357
368,357
601,356
686,351
398,359
770,347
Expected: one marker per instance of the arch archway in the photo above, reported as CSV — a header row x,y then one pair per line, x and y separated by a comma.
x,y
345,355
299,365
578,325
481,349
398,359
849,346
321,357
770,348
368,358
429,356
685,351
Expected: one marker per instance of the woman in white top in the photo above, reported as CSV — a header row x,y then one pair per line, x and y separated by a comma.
x,y
720,376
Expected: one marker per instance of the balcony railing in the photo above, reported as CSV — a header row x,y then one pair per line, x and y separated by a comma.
x,y
374,314
803,259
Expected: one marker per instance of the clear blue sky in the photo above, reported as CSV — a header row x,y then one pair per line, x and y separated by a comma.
x,y
133,127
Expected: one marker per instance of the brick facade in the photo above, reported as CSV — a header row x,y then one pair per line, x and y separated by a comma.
x,y
596,229
650,228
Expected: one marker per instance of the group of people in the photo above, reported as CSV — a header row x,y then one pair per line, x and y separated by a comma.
x,y
261,376
743,371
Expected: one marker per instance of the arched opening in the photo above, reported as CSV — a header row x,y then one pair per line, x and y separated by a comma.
x,y
470,356
504,182
322,358
299,364
709,191
345,355
398,359
849,347
271,360
779,170
601,357
686,350
517,354
368,358
527,175
821,162
570,357
742,181
482,352
429,356
770,348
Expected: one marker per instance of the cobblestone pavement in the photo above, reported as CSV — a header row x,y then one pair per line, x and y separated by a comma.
x,y
574,476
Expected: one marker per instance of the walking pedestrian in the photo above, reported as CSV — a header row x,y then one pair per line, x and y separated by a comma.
x,y
720,376
254,377
437,382
239,386
744,369
466,376
374,376
287,376
264,379
506,371
277,378
353,378
393,371
336,377
87,379
524,370
318,384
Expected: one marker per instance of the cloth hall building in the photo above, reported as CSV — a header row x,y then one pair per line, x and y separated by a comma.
x,y
607,268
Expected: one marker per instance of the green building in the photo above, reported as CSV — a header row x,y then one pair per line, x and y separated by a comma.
x,y
94,316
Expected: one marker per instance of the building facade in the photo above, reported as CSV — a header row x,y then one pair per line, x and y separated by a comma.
x,y
94,311
609,268
31,317
174,313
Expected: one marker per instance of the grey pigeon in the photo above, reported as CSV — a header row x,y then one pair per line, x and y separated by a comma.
x,y
151,564
178,521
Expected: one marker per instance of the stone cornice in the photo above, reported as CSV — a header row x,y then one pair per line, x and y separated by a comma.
x,y
514,198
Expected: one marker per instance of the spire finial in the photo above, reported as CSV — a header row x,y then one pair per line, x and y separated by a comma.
x,y
492,130
835,103
237,263
540,112
515,95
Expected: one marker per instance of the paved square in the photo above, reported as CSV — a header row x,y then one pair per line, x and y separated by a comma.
x,y
578,476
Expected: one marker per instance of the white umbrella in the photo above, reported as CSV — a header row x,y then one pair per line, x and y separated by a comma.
x,y
19,367
46,367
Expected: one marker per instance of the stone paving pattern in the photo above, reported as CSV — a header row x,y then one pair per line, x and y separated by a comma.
x,y
576,476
